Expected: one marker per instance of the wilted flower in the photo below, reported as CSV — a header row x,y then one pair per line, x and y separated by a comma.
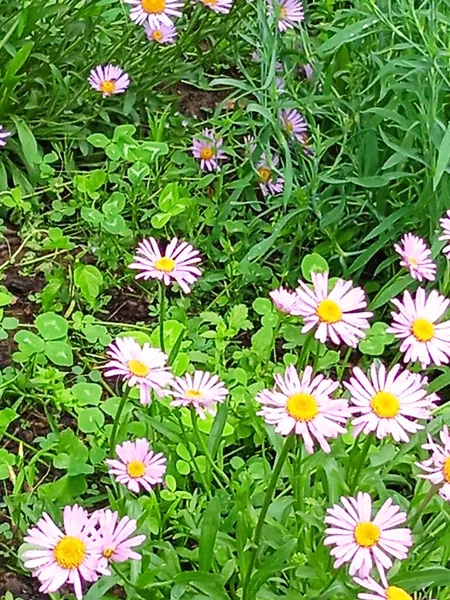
x,y
415,256
164,34
142,366
219,6
437,466
445,237
200,390
362,541
113,539
415,323
138,466
291,12
4,135
338,314
294,123
284,300
382,592
270,182
305,407
208,150
109,80
155,12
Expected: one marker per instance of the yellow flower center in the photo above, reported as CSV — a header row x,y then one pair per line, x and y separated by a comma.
x,y
385,405
138,368
265,174
108,552
193,394
157,35
422,330
302,407
165,264
69,552
329,312
396,593
206,153
136,468
446,469
367,534
107,87
153,6
412,261
210,2
283,11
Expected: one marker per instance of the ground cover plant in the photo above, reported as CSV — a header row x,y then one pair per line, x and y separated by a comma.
x,y
224,313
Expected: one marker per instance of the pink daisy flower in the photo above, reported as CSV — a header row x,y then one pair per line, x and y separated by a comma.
x,y
284,300
4,135
415,256
219,6
362,541
415,323
437,466
338,314
382,592
138,466
305,407
294,123
114,540
200,390
291,12
164,34
155,12
208,150
141,366
68,556
445,237
270,182
389,403
109,80
175,264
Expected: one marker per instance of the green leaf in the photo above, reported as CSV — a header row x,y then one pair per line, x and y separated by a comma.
x,y
389,291
51,326
352,32
87,393
60,353
7,416
313,263
91,420
160,219
17,62
29,343
6,297
27,141
443,158
421,579
98,140
209,528
262,306
89,280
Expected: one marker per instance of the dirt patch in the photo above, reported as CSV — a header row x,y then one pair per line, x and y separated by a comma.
x,y
20,586
198,103
127,308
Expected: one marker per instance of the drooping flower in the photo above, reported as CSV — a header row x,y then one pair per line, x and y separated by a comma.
x,y
219,6
4,135
415,256
270,182
308,71
142,366
290,12
200,390
304,406
437,467
109,80
284,300
164,34
389,402
175,264
294,123
69,556
382,592
445,237
424,340
338,314
208,150
364,541
138,466
154,12
113,540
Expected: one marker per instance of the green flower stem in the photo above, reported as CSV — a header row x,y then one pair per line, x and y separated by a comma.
x,y
362,459
205,449
112,440
262,515
344,363
429,496
162,313
191,456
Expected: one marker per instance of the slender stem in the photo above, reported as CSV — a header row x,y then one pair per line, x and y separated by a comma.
x,y
262,515
362,459
112,441
344,363
204,447
162,313
191,455
429,496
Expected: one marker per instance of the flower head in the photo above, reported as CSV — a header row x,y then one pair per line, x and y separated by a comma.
x,y
308,70
208,150
154,12
175,264
290,12
415,256
4,135
338,314
201,390
163,34
270,182
424,340
445,237
382,592
69,556
109,80
305,407
284,300
437,467
114,540
389,403
141,366
364,541
219,6
294,123
138,466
